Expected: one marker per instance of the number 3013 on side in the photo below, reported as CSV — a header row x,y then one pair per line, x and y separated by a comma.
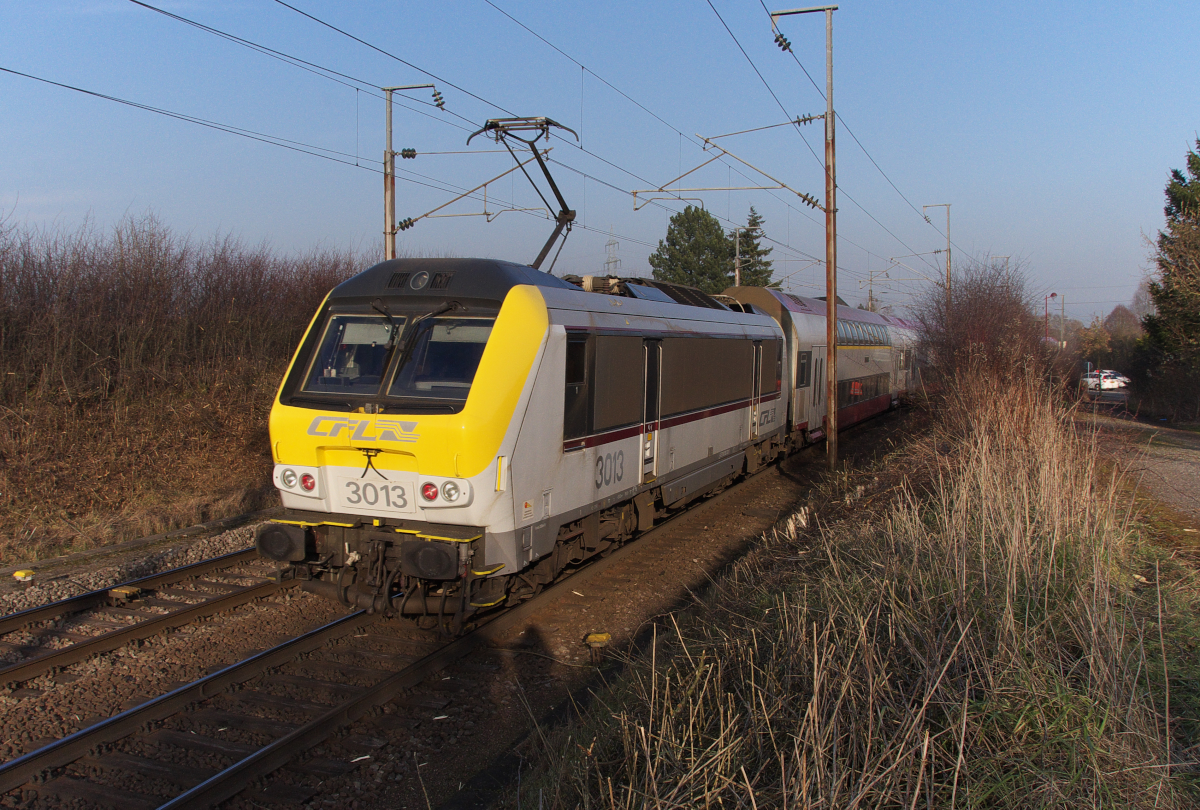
x,y
610,468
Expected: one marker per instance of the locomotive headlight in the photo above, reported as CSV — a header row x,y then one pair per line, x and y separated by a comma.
x,y
450,491
429,491
288,478
307,482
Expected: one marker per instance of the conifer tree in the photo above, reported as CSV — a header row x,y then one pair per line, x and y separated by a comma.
x,y
696,252
756,267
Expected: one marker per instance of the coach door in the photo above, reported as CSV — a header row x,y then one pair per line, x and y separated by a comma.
x,y
756,390
652,368
816,407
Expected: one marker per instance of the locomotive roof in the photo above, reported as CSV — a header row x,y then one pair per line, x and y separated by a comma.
x,y
489,279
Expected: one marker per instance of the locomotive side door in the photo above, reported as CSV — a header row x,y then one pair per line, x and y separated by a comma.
x,y
756,389
816,406
652,369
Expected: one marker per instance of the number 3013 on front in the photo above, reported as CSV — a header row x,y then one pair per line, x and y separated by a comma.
x,y
381,496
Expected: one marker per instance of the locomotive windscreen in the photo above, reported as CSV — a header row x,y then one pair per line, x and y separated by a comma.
x,y
443,358
352,354
429,359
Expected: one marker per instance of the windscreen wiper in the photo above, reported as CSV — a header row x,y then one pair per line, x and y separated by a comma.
x,y
410,336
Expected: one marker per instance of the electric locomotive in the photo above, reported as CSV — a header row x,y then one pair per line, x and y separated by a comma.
x,y
452,433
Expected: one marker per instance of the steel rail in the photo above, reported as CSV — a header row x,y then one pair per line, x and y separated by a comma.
x,y
240,775
151,625
237,777
91,599
19,771
271,757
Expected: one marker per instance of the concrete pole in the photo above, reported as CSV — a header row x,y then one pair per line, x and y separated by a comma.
x,y
389,187
737,257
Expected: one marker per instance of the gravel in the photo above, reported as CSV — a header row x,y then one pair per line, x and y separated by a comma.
x,y
56,585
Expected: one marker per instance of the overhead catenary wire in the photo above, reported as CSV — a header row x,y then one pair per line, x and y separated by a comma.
x,y
319,70
455,86
770,90
682,135
360,85
850,132
377,49
333,75
293,145
262,137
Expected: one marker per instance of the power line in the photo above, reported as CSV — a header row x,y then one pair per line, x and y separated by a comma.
x,y
654,115
295,146
303,64
821,92
274,140
376,48
670,126
797,127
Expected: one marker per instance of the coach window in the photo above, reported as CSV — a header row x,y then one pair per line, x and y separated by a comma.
x,y
699,373
803,369
575,401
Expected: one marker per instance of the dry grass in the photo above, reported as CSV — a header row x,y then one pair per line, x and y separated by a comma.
x,y
137,369
992,640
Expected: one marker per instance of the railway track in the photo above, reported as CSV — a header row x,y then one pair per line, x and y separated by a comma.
x,y
62,633
248,730
254,720
358,665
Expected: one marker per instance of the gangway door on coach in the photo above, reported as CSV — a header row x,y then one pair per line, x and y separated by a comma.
x,y
652,354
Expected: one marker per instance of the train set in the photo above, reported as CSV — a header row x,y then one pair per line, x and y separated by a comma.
x,y
452,434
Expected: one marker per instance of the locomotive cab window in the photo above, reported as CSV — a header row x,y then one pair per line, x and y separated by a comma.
x,y
575,401
352,355
442,358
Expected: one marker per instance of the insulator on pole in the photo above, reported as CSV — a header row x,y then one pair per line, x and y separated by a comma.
x,y
405,224
782,41
408,154
438,101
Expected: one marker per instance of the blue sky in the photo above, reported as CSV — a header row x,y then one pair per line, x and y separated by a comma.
x,y
1049,127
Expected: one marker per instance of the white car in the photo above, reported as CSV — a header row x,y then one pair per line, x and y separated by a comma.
x,y
1121,379
1100,381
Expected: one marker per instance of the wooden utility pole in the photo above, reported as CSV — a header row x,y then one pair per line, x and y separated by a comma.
x,y
831,296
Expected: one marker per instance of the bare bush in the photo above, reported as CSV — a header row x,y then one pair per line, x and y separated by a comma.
x,y
86,315
986,324
137,368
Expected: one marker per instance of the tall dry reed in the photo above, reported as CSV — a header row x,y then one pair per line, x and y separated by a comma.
x,y
977,644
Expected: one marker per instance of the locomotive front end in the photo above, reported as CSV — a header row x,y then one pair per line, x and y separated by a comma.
x,y
389,435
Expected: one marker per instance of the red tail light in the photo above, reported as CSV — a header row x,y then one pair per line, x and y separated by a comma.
x,y
307,482
429,491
